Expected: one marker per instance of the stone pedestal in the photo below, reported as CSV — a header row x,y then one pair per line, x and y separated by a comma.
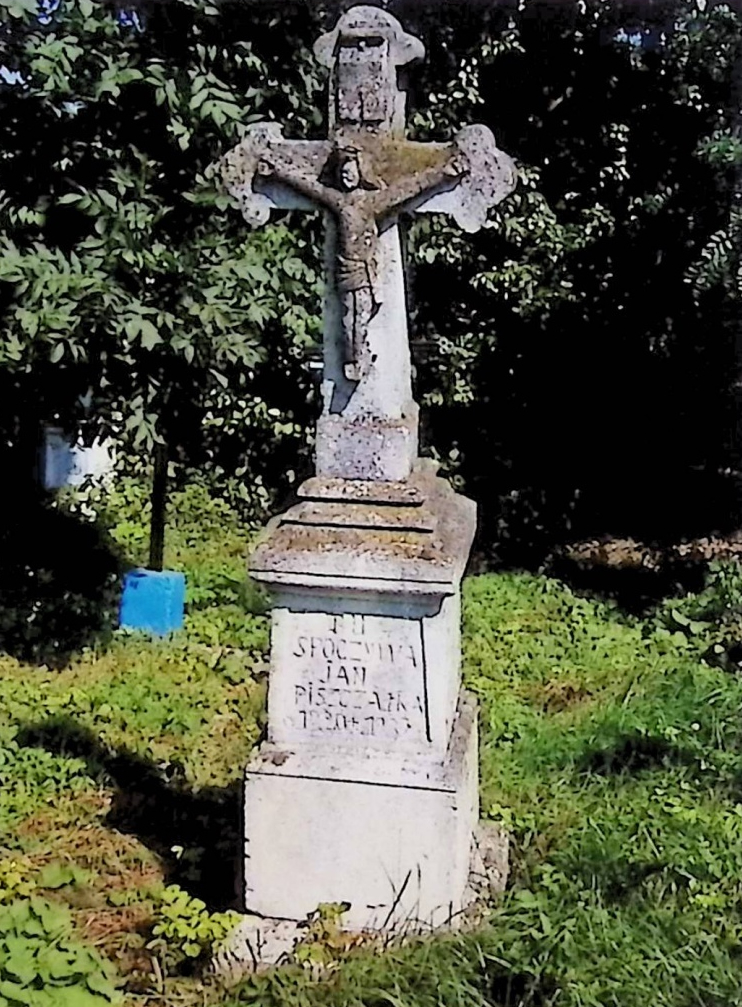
x,y
365,790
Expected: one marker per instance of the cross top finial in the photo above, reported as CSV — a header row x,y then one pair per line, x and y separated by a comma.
x,y
365,22
364,51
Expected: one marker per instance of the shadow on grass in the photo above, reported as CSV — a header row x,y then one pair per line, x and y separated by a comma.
x,y
59,582
634,754
508,989
635,589
195,834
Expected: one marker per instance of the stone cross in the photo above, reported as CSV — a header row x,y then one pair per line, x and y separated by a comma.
x,y
364,176
364,790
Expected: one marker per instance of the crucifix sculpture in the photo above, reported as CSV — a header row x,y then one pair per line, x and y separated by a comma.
x,y
364,790
364,177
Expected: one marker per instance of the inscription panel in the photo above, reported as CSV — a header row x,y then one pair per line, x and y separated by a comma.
x,y
364,91
354,680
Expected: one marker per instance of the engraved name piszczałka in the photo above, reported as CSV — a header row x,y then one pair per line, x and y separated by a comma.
x,y
360,676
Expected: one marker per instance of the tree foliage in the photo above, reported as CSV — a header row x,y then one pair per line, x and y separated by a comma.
x,y
586,336
134,303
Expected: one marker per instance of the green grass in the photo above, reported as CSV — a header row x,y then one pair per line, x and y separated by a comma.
x,y
612,752
610,748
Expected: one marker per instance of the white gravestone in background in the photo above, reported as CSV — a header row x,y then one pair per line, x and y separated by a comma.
x,y
70,463
365,790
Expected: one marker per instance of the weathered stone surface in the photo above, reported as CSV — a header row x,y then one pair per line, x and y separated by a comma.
x,y
489,178
370,675
489,870
363,52
366,788
259,942
392,558
361,491
324,514
367,448
256,941
393,841
364,177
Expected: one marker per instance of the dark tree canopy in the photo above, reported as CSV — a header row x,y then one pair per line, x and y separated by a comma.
x,y
576,360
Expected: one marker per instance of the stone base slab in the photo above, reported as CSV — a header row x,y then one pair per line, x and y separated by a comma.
x,y
260,942
396,846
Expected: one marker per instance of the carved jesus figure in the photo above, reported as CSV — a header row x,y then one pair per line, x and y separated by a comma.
x,y
360,205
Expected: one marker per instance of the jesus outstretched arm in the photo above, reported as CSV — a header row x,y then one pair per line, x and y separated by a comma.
x,y
278,168
391,201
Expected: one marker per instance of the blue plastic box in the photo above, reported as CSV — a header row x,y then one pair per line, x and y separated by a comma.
x,y
153,600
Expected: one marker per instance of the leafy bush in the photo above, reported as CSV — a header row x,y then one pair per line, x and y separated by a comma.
x,y
41,965
126,277
16,879
30,777
185,929
325,945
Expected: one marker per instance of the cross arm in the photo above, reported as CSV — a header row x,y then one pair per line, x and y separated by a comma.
x,y
444,171
489,176
262,172
292,165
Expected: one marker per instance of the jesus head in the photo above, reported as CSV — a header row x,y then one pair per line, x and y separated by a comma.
x,y
348,170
